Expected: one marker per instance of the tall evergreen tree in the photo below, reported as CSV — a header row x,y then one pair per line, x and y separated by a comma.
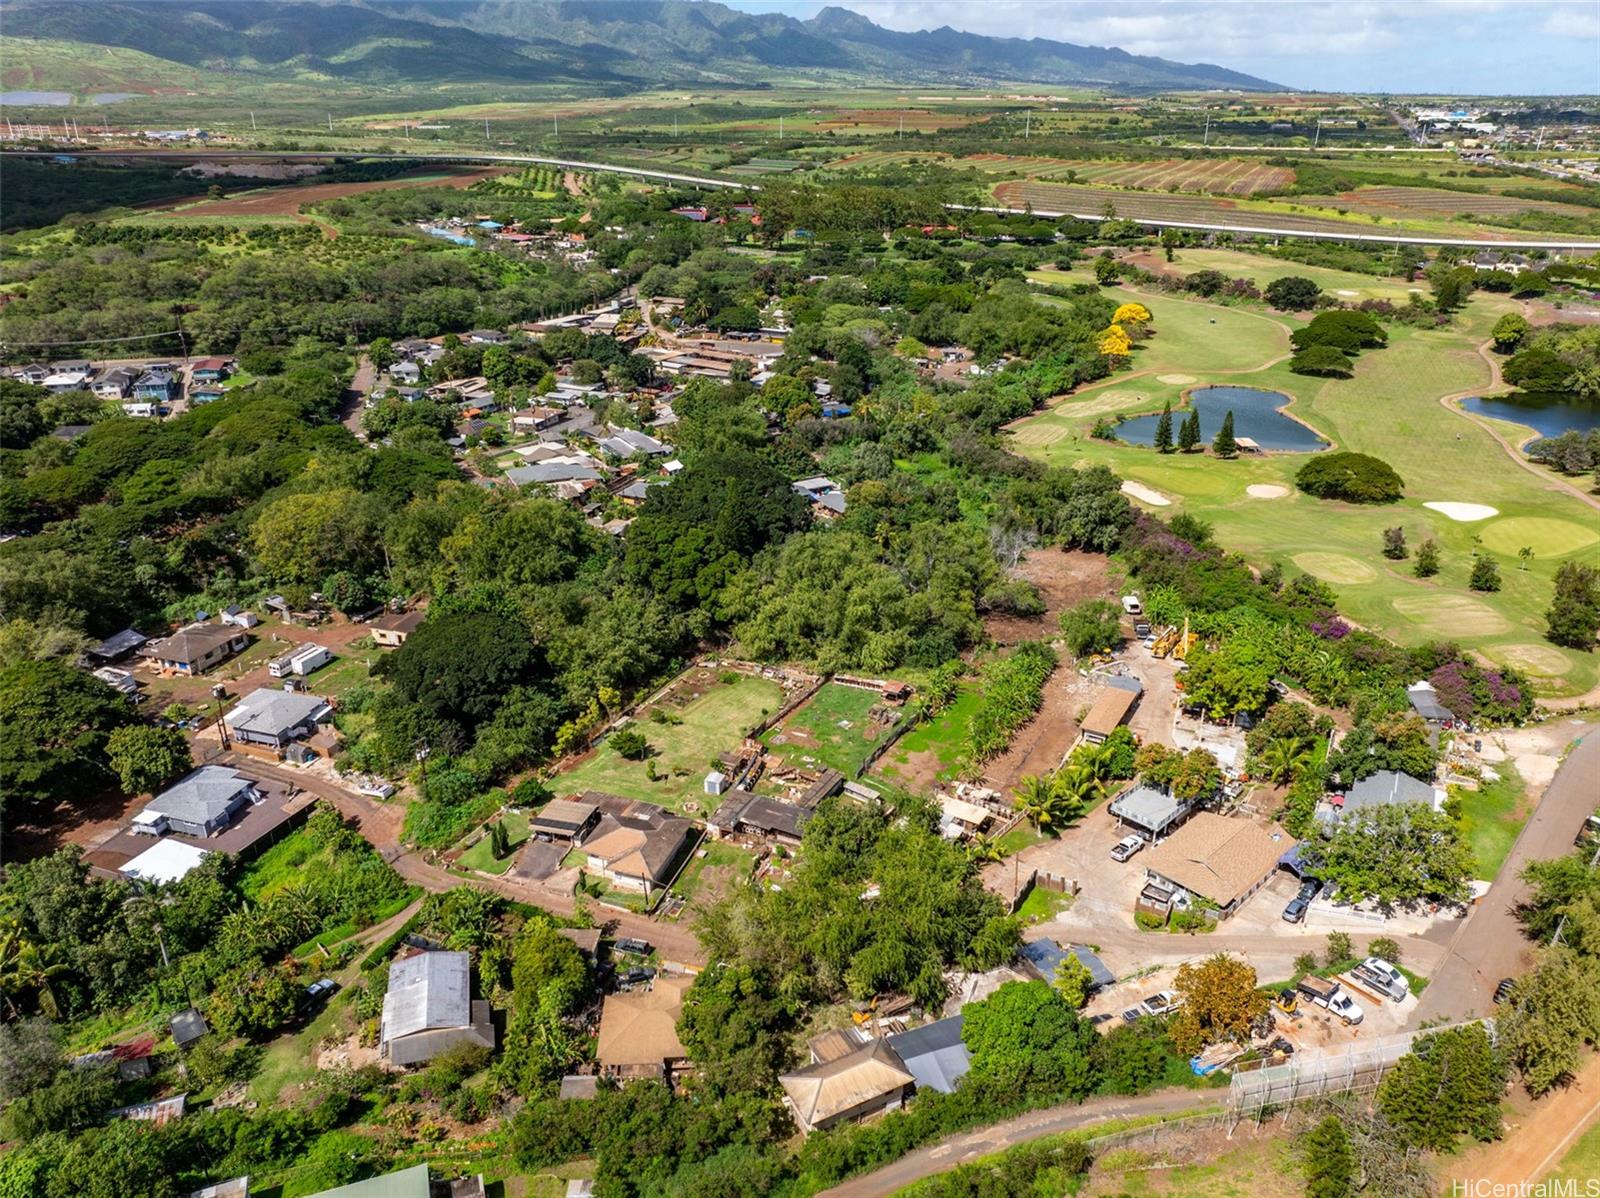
x,y
1189,432
1224,446
1328,1160
1164,430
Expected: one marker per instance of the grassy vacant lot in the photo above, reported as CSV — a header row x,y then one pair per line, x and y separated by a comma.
x,y
1492,816
1390,409
721,862
934,749
481,855
830,729
682,753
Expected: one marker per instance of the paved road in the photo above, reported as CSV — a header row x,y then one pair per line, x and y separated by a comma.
x,y
1489,945
703,181
960,1149
381,824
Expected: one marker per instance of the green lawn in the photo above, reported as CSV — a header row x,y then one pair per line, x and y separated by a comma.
x,y
682,753
942,736
1390,409
1492,816
726,859
1042,904
1344,284
829,728
481,855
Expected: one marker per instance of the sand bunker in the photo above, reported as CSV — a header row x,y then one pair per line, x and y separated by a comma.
x,y
1343,292
1266,491
1147,494
1175,380
1463,512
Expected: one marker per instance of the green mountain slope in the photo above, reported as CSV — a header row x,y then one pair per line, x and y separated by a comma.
x,y
443,42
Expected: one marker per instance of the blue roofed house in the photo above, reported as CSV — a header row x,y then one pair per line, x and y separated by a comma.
x,y
156,386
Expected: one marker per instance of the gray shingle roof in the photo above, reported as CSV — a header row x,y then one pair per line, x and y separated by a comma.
x,y
1387,787
429,990
545,472
273,712
201,796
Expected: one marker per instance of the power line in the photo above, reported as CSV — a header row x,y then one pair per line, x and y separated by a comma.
x,y
98,340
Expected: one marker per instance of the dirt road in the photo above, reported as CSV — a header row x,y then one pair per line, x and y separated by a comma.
x,y
960,1149
1489,944
381,824
1537,1134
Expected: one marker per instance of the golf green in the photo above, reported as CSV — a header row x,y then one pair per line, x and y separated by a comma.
x,y
1546,536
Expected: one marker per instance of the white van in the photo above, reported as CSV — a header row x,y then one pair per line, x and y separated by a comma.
x,y
1131,605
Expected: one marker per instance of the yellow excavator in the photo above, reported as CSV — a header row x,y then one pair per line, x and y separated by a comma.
x,y
1171,642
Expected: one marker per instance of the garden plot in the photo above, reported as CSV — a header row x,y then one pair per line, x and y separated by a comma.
x,y
837,728
702,714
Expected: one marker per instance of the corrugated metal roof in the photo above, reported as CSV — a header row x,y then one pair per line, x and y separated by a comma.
x,y
429,990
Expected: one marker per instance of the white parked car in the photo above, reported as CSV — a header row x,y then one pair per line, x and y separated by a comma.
x,y
1126,847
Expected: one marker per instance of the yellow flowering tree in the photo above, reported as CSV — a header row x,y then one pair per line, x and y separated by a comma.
x,y
1115,343
1131,313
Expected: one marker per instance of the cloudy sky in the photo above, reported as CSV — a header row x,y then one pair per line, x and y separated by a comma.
x,y
1465,46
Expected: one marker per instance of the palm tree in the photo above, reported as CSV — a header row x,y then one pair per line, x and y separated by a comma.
x,y
1097,759
1285,757
25,968
982,850
1036,798
1077,787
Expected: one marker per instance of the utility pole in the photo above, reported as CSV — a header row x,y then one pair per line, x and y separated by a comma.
x,y
1027,124
1317,141
1206,140
1539,145
252,120
901,135
485,130
330,122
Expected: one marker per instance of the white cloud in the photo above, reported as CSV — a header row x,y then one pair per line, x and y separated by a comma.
x,y
1574,20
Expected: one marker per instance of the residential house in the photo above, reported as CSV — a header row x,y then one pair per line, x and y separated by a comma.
x,y
69,432
238,1187
74,378
139,409
487,337
196,648
759,817
33,374
827,499
392,628
408,373
429,1007
156,386
855,1085
552,473
204,393
276,718
201,803
564,820
1386,788
934,1054
1219,859
535,419
624,443
639,1032
638,852
1046,957
210,370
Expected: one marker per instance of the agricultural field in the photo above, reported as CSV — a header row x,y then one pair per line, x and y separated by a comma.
x,y
833,729
1400,202
1221,176
873,159
1295,215
931,753
285,203
706,717
1390,409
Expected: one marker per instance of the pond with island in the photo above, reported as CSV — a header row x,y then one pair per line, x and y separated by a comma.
x,y
1256,415
1547,414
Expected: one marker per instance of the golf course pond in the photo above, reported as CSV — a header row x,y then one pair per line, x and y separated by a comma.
x,y
1255,415
1546,414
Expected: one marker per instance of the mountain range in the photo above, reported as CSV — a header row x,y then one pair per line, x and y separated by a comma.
x,y
609,42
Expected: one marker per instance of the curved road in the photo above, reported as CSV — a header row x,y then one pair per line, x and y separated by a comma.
x,y
703,181
380,823
968,1146
1489,945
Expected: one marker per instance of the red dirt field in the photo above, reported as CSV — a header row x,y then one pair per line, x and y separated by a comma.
x,y
920,119
287,201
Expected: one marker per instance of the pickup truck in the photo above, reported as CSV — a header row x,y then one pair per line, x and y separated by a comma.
x,y
1163,1002
1328,994
1382,977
